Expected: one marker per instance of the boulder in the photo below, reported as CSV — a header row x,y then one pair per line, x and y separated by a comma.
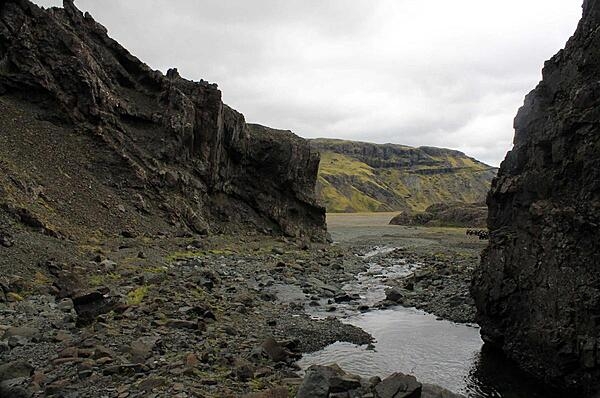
x,y
90,304
399,385
394,295
316,383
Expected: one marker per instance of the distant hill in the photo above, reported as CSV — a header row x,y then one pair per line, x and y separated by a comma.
x,y
363,177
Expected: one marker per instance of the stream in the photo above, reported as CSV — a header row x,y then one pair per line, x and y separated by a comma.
x,y
411,341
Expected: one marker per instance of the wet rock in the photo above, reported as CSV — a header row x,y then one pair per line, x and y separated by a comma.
x,y
399,385
433,391
345,297
316,381
343,383
394,295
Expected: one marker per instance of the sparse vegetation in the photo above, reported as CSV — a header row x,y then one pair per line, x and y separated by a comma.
x,y
362,177
135,297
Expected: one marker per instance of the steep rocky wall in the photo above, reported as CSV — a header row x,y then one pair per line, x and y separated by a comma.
x,y
538,287
195,155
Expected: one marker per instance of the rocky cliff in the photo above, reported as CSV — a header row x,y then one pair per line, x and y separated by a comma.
x,y
95,142
360,176
538,287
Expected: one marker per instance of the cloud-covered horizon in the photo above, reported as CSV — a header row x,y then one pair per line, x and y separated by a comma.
x,y
436,73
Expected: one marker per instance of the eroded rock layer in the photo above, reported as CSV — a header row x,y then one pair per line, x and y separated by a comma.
x,y
166,146
538,287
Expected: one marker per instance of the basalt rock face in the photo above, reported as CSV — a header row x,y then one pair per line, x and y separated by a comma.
x,y
168,142
538,287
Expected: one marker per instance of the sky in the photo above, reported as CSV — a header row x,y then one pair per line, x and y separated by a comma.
x,y
438,73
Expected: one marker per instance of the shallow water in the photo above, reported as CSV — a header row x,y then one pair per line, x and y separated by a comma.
x,y
412,341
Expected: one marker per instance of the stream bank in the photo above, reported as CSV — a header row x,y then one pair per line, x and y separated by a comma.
x,y
229,316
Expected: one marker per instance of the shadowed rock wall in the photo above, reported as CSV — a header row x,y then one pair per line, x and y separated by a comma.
x,y
538,287
194,156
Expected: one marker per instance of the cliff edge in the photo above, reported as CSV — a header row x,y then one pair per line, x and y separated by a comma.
x,y
94,142
538,287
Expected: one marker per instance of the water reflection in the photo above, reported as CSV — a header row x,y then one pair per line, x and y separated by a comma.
x,y
495,376
438,352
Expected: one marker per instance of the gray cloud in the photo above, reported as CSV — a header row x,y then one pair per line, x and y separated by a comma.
x,y
440,73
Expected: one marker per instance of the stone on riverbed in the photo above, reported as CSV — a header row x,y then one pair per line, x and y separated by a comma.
x,y
394,295
329,381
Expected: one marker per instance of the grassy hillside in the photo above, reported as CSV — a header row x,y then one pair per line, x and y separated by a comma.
x,y
359,176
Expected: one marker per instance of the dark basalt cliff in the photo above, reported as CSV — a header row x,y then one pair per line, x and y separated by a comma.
x,y
74,100
538,287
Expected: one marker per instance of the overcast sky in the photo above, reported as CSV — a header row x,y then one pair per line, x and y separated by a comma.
x,y
438,72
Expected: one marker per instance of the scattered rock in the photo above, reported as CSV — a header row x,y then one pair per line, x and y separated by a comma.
x,y
275,351
90,304
141,349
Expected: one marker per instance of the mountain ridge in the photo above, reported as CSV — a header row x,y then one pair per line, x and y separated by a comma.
x,y
357,176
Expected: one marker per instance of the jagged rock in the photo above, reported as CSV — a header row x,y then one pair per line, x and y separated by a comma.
x,y
170,139
537,290
90,304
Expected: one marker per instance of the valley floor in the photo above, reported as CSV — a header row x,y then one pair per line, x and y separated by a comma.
x,y
217,317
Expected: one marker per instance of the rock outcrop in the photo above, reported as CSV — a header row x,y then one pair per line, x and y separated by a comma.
x,y
74,100
445,215
361,176
538,287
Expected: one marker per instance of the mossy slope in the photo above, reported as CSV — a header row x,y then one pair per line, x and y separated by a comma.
x,y
365,177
